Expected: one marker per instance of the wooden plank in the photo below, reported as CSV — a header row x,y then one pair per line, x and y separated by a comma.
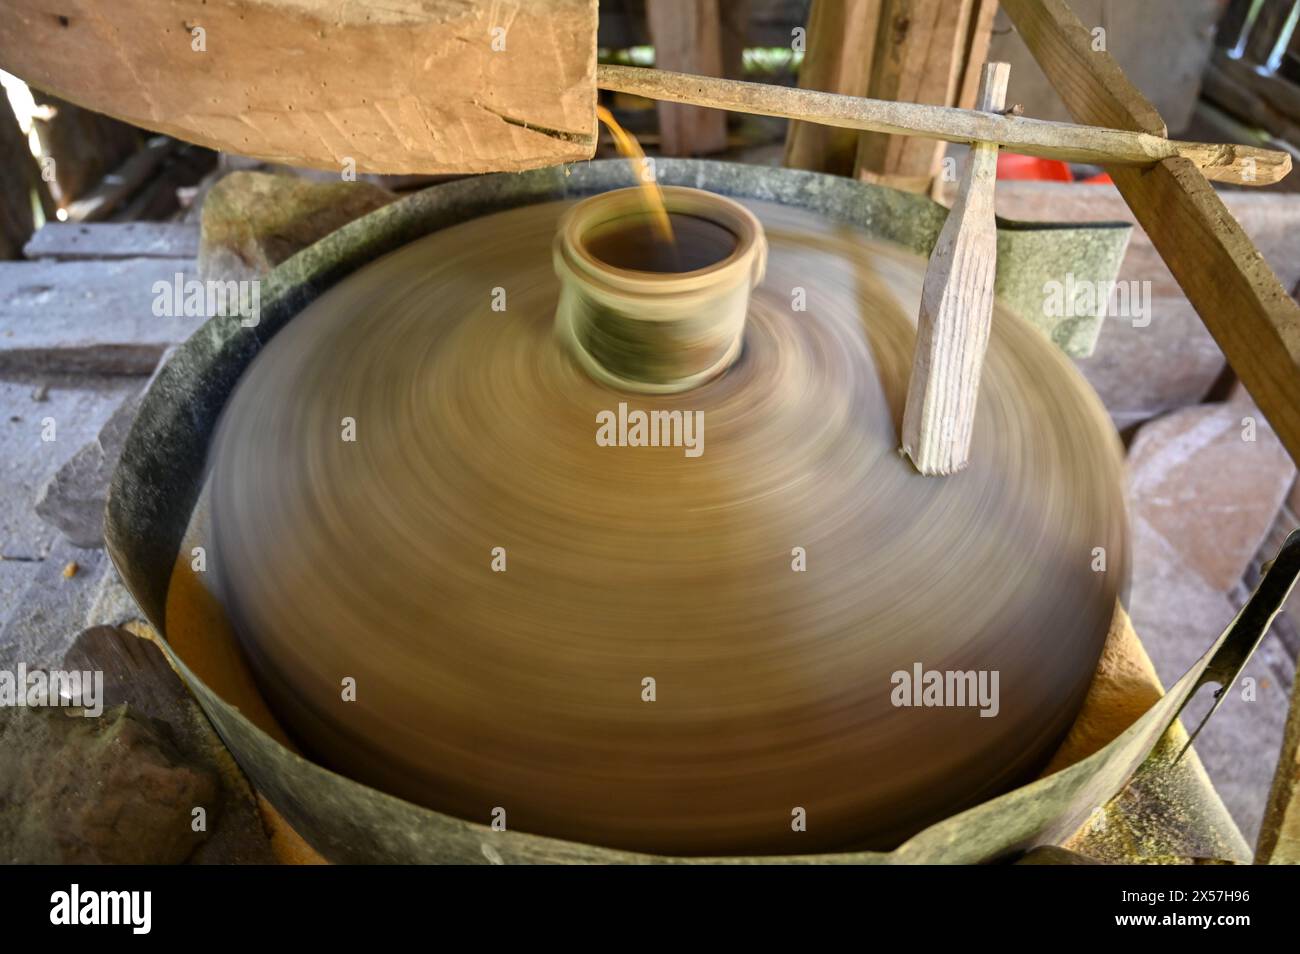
x,y
918,59
952,331
1243,304
687,36
409,86
91,317
1247,165
840,43
70,242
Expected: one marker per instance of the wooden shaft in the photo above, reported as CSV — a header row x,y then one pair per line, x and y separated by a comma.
x,y
1245,165
952,330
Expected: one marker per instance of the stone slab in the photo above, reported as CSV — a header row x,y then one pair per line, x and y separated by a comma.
x,y
87,317
82,241
52,609
73,498
1207,489
79,406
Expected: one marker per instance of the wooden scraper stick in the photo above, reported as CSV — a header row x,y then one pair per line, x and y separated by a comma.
x,y
952,330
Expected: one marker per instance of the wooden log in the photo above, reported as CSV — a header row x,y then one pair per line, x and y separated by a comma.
x,y
918,59
435,86
1070,142
952,331
687,35
841,40
1251,315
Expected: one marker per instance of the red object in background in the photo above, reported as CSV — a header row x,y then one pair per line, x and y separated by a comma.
x,y
1012,165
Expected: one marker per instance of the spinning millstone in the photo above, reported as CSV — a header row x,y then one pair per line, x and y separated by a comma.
x,y
523,686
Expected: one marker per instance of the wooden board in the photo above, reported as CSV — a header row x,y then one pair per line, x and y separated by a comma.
x,y
408,86
88,317
1243,304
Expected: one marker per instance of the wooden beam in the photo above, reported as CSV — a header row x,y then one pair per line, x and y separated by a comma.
x,y
687,35
841,40
1250,314
438,86
1248,165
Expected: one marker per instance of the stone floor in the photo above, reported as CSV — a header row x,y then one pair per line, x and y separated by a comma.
x,y
1207,505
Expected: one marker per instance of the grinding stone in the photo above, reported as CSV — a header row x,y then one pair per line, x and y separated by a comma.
x,y
524,689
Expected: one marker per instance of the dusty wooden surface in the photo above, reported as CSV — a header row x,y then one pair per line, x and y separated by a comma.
x,y
404,87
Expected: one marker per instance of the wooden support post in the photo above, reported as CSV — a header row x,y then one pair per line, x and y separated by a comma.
x,y
952,331
919,58
687,35
1251,315
840,42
